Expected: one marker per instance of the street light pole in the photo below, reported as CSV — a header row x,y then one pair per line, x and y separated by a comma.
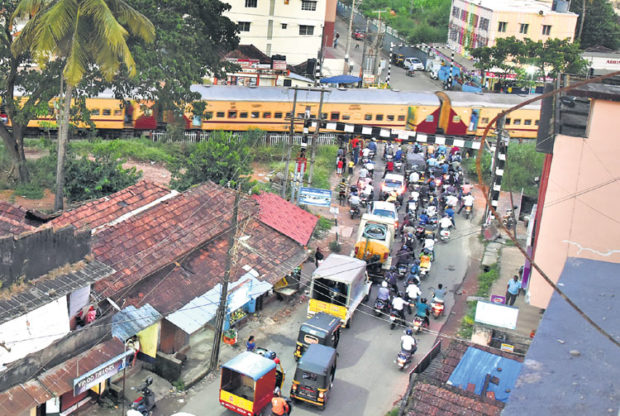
x,y
378,41
362,66
347,48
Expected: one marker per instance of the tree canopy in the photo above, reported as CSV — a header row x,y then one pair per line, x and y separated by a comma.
x,y
600,26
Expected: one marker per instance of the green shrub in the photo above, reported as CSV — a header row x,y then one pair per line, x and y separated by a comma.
x,y
486,280
29,190
335,246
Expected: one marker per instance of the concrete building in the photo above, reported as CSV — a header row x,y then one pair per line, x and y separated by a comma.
x,y
577,212
477,23
293,28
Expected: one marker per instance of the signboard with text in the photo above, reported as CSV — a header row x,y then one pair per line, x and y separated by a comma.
x,y
496,314
315,196
101,373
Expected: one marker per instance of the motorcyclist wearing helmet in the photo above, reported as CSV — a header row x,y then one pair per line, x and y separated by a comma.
x,y
407,342
279,406
413,273
390,278
422,310
279,373
384,292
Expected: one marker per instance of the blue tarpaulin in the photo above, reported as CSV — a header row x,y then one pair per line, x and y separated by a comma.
x,y
341,79
476,364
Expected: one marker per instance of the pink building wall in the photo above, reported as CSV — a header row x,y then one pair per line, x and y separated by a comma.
x,y
581,214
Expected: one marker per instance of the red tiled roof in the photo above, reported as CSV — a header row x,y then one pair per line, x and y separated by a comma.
x,y
163,234
430,400
285,217
270,253
56,381
13,219
104,210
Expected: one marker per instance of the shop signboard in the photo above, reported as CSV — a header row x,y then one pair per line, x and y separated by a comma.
x,y
101,373
315,196
279,65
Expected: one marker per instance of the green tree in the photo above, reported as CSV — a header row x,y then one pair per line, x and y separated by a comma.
x,y
523,165
600,26
83,34
223,158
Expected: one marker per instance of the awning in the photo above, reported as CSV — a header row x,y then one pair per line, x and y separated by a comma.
x,y
341,79
130,321
200,310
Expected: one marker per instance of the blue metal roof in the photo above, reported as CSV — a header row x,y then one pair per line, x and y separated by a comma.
x,y
341,79
130,321
476,364
554,381
250,364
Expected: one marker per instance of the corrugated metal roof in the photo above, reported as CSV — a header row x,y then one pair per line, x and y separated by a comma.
x,y
45,290
469,99
348,96
130,321
200,310
476,364
23,397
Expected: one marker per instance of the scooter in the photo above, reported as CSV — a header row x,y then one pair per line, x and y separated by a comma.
x,y
418,323
354,211
437,308
412,208
404,357
467,212
398,165
145,403
380,306
444,234
402,270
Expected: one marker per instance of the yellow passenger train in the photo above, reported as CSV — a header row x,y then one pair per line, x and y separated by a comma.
x,y
238,108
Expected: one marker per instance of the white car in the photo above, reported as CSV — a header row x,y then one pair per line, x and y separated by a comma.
x,y
385,209
393,182
413,64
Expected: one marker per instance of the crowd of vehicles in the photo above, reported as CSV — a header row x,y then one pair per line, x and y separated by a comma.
x,y
239,108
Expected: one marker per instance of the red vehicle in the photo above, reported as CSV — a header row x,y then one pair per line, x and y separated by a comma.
x,y
359,35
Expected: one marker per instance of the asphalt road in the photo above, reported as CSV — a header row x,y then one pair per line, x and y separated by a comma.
x,y
368,381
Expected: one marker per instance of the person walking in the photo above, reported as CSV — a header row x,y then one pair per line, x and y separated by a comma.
x,y
318,257
513,290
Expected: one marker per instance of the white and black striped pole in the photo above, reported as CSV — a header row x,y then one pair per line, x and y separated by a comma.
x,y
498,165
451,66
317,75
387,80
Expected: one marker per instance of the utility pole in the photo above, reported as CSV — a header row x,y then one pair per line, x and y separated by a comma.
x,y
347,47
363,65
221,309
378,42
315,138
497,168
290,146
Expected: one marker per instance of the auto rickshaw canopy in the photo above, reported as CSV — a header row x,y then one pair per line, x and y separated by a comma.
x,y
251,365
318,359
321,325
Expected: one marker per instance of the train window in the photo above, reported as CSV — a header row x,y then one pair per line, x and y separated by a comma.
x,y
508,121
379,117
485,120
209,115
517,122
50,110
300,115
335,116
390,117
527,122
232,114
243,114
536,122
323,116
118,112
95,112
456,119
401,118
267,114
254,114
107,112
429,118
346,117
220,114
313,116
368,117
288,115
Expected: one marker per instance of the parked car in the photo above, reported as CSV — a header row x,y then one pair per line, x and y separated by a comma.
x,y
414,64
358,35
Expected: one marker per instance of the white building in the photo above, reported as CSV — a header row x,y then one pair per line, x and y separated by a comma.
x,y
293,28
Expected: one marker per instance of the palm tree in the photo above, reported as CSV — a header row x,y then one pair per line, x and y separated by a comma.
x,y
583,17
83,33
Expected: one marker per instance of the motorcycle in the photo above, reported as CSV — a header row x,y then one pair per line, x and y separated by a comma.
x,y
145,403
398,165
425,268
354,211
437,308
403,359
467,212
402,269
395,318
412,208
380,306
444,234
418,323
419,232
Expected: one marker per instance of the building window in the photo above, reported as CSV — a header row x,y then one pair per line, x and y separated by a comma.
x,y
284,25
546,30
232,114
453,34
527,122
464,15
308,5
251,3
484,24
266,114
244,26
502,26
474,20
379,117
523,27
305,30
220,114
456,12
278,115
368,117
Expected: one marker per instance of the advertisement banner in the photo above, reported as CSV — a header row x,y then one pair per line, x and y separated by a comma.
x,y
101,373
315,196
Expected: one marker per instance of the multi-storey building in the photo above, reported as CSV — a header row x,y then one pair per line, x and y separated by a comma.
x,y
294,28
476,23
